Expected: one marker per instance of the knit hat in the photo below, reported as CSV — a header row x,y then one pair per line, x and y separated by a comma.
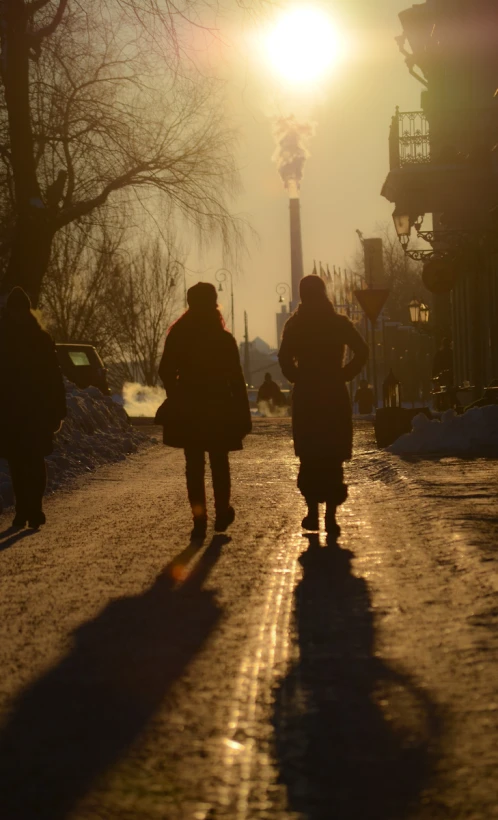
x,y
202,296
18,301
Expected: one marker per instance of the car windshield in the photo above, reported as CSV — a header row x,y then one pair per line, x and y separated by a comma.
x,y
79,358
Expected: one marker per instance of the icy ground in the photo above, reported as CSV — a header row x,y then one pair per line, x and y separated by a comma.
x,y
472,434
96,431
264,675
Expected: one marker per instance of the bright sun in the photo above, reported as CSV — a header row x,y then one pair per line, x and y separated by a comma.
x,y
303,45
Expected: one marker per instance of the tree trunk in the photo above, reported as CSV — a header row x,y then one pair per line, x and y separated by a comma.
x,y
30,255
33,232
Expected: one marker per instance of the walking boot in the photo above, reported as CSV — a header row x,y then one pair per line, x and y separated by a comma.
x,y
20,520
310,521
223,520
36,520
200,527
332,527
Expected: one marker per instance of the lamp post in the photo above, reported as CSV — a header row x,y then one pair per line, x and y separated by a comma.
x,y
221,277
177,266
283,288
419,317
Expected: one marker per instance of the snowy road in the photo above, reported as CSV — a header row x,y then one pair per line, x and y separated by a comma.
x,y
262,677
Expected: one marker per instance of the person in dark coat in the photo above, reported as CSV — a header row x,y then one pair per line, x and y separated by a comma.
x,y
364,397
270,393
442,365
209,407
32,404
311,356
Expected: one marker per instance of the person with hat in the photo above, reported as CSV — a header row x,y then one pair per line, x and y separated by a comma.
x,y
207,408
311,357
32,404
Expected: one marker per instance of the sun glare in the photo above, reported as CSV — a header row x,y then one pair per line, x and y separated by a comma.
x,y
303,45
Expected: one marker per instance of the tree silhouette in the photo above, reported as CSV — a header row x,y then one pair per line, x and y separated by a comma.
x,y
103,102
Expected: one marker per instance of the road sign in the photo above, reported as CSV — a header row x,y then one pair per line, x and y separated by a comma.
x,y
372,300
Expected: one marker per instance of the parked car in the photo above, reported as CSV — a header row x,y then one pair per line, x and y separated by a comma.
x,y
82,365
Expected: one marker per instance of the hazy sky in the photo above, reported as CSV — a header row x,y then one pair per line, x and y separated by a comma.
x,y
348,162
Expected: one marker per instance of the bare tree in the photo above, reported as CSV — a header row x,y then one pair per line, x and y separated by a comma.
x,y
97,292
100,105
78,291
144,307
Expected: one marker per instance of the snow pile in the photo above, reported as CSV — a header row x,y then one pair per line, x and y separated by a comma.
x,y
474,433
96,431
142,401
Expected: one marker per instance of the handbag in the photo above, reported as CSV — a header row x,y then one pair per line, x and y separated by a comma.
x,y
169,415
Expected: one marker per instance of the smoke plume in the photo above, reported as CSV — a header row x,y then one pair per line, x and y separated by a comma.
x,y
292,138
142,401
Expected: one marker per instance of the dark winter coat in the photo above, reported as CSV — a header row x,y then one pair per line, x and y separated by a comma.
x,y
270,391
311,356
32,394
201,372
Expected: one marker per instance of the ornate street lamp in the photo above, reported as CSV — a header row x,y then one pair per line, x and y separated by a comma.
x,y
402,224
414,308
283,288
221,277
424,314
419,312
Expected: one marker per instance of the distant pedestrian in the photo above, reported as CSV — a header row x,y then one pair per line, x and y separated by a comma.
x,y
442,365
311,356
270,394
364,398
32,404
207,409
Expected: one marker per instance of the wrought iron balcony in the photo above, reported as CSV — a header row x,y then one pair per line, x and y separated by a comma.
x,y
409,140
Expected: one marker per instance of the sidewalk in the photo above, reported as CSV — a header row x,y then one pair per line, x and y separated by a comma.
x,y
264,676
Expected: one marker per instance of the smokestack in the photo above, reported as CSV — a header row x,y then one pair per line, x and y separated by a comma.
x,y
290,156
297,270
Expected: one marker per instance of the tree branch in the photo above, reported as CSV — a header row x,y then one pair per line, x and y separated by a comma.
x,y
36,5
37,36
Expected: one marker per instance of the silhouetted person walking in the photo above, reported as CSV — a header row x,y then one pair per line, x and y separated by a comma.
x,y
311,356
207,409
364,397
32,404
442,365
270,393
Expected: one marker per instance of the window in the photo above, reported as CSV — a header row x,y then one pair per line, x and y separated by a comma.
x,y
79,358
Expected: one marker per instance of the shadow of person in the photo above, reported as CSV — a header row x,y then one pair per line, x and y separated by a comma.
x,y
12,535
76,721
340,754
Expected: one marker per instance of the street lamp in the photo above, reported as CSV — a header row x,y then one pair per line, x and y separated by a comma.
x,y
424,314
414,308
283,288
419,313
221,277
402,224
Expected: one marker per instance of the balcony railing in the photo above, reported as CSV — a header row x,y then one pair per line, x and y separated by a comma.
x,y
409,142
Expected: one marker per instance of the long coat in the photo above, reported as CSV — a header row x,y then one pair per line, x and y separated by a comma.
x,y
32,394
311,357
201,372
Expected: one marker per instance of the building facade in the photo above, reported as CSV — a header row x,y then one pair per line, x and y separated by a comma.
x,y
443,177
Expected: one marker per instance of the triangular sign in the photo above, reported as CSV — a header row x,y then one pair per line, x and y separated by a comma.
x,y
372,300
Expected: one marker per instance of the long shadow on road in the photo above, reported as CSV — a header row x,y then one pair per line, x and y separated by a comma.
x,y
355,739
80,717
